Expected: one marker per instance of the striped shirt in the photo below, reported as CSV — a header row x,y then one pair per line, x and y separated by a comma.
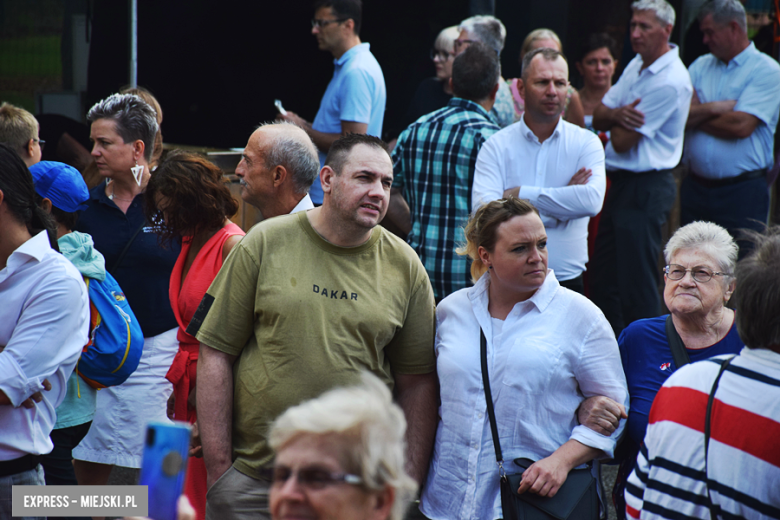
x,y
433,165
744,452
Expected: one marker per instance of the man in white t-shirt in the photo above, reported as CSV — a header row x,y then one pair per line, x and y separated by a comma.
x,y
646,112
556,165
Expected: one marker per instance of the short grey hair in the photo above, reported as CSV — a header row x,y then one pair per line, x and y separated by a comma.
x,y
663,10
758,297
724,11
296,152
708,238
372,428
488,29
547,54
135,119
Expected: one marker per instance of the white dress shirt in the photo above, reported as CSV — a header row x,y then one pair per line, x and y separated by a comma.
x,y
752,79
553,351
304,204
44,317
515,157
665,90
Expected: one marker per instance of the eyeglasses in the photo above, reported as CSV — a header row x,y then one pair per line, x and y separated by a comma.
x,y
699,273
324,23
40,142
459,43
442,55
312,477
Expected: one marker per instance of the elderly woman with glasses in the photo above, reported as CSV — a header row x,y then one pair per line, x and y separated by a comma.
x,y
434,92
341,456
699,281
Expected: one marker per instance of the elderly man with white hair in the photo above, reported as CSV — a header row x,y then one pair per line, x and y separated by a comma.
x,y
646,112
731,125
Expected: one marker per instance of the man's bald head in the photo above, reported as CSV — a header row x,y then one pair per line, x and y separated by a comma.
x,y
286,144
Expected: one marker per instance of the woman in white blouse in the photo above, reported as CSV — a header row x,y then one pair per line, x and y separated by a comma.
x,y
548,349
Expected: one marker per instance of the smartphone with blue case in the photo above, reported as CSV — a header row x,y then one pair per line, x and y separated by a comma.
x,y
164,466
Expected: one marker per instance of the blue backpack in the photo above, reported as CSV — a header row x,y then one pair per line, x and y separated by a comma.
x,y
115,337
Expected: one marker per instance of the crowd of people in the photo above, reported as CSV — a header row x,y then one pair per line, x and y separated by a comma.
x,y
331,368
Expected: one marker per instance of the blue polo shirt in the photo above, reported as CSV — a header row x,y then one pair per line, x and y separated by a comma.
x,y
356,93
145,271
648,363
752,78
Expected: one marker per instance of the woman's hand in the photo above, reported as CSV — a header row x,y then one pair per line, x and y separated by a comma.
x,y
545,477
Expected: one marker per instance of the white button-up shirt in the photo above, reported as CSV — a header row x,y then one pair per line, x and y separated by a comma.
x,y
515,157
665,90
44,316
304,204
554,350
752,79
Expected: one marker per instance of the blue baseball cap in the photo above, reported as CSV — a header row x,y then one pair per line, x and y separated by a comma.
x,y
62,184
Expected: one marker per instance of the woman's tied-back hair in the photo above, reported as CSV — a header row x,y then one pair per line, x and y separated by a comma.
x,y
16,183
371,428
536,35
198,199
133,116
482,228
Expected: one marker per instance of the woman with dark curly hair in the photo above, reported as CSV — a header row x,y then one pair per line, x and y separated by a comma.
x,y
187,200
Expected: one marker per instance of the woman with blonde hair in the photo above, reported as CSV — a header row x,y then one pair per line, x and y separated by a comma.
x,y
547,349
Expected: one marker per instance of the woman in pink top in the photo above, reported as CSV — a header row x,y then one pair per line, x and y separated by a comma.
x,y
187,200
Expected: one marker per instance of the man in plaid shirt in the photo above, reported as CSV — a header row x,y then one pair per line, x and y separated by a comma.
x,y
433,168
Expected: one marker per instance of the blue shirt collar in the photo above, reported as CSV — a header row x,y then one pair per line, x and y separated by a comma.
x,y
354,51
743,56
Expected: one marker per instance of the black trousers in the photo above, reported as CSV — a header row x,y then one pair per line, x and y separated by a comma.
x,y
737,206
624,269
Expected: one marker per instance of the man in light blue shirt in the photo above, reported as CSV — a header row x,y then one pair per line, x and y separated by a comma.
x,y
354,101
731,125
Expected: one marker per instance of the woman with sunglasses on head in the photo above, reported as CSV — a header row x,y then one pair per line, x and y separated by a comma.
x,y
123,128
698,282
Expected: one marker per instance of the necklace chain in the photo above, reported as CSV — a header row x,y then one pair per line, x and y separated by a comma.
x,y
112,196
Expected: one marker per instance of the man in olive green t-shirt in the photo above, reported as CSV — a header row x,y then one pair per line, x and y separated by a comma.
x,y
304,303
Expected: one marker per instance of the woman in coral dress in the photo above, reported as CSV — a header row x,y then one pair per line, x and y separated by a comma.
x,y
187,200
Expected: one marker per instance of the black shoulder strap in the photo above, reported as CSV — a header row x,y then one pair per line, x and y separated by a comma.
x,y
676,345
707,417
127,246
489,395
